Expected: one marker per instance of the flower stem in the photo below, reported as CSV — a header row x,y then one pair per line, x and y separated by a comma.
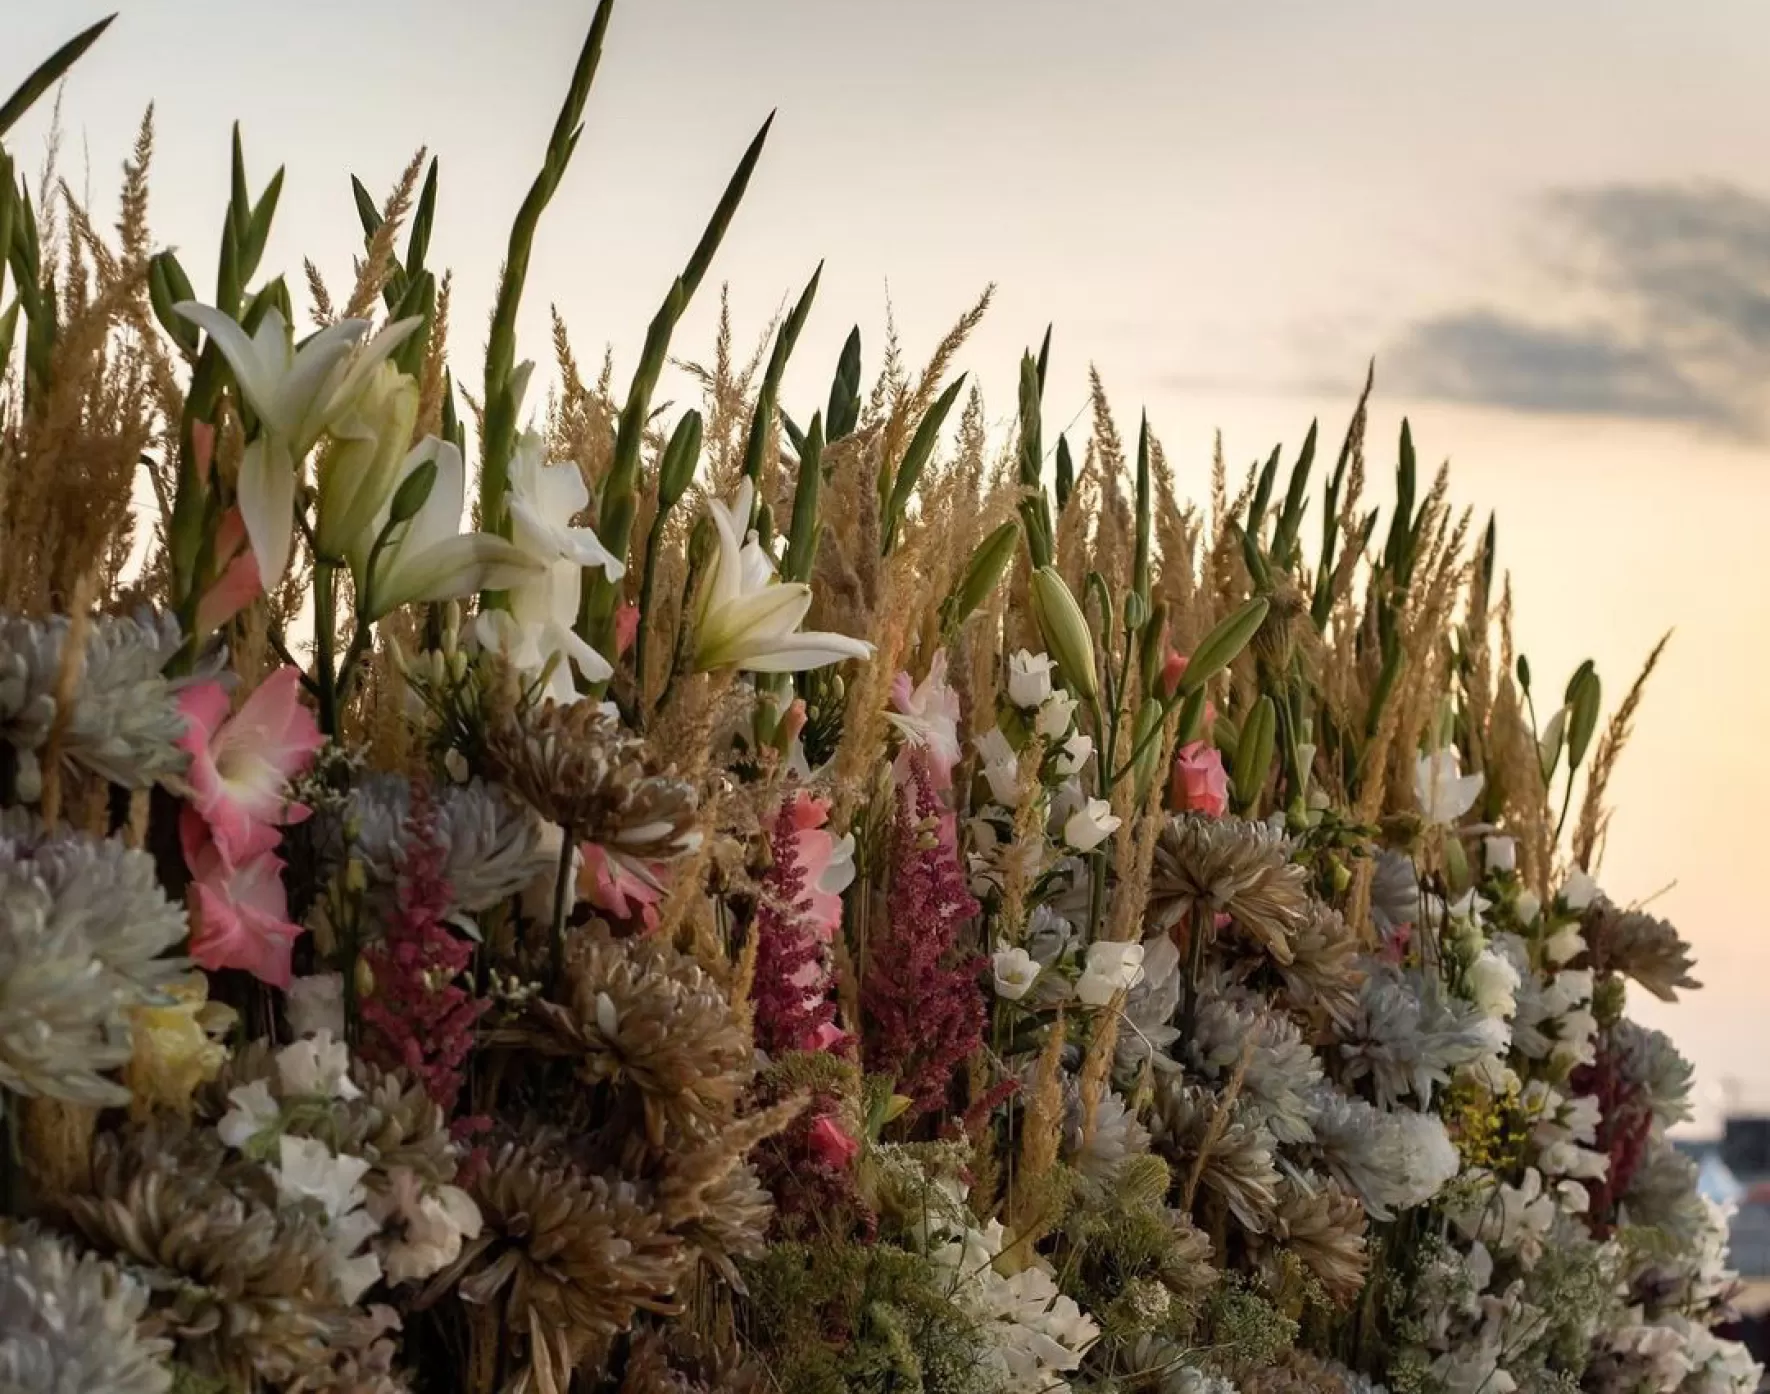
x,y
561,906
1195,966
653,541
325,624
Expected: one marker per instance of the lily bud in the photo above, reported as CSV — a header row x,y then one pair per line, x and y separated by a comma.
x,y
1253,754
359,472
1066,632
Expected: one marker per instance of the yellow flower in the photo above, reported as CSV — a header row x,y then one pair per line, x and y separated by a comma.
x,y
177,1047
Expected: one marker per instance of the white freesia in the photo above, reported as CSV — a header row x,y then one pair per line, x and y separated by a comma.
x,y
1056,715
748,618
1578,891
1090,825
317,1065
1001,767
252,1111
315,1004
1493,981
1029,679
429,557
1444,792
296,394
1109,969
1015,970
431,1223
307,1170
1074,753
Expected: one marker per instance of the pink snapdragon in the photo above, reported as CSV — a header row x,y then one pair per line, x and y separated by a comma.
x,y
240,766
239,910
1199,784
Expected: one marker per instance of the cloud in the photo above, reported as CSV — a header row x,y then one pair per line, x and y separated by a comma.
x,y
1661,310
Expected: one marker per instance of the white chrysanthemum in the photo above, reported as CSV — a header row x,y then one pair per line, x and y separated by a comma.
x,y
1649,1058
1411,1035
1282,1070
83,930
124,720
1147,1032
1394,1160
68,1324
492,844
1117,1135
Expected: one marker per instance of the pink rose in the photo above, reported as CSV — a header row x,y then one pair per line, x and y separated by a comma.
x,y
831,1144
1199,784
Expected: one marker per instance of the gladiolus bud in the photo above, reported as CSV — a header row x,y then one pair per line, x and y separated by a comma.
x,y
1223,645
1066,632
983,572
1253,754
413,494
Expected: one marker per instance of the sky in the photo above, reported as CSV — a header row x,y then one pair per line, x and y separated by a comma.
x,y
1549,225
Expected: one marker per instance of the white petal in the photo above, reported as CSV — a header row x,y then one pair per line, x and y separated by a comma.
x,y
267,505
796,653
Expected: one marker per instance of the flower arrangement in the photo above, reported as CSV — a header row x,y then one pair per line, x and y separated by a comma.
x,y
815,906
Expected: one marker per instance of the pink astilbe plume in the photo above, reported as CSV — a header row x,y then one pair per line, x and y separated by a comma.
x,y
419,1017
921,995
796,918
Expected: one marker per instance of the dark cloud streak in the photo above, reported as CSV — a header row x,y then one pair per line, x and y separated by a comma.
x,y
1681,275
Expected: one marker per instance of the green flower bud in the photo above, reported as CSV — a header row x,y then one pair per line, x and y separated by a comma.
x,y
1253,754
1223,645
1065,632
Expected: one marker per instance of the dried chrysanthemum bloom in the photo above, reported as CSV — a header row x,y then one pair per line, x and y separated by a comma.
x,y
1189,1122
1411,1034
1323,1225
1281,1070
574,1257
1393,1159
1640,946
244,1287
1323,977
124,722
69,1325
83,927
640,1013
732,1220
1649,1058
491,844
1210,866
579,768
678,1360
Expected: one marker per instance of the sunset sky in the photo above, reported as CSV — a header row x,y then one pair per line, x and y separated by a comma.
x,y
1549,224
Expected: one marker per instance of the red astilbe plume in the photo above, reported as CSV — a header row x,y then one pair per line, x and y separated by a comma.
x,y
1625,1123
921,995
795,921
419,1017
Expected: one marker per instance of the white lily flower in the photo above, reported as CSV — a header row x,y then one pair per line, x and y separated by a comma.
x,y
430,558
296,393
1444,792
748,618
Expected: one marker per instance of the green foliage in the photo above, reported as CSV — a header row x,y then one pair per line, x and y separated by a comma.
x,y
844,1318
1243,1329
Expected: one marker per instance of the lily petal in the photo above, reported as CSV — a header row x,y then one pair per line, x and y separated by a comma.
x,y
267,505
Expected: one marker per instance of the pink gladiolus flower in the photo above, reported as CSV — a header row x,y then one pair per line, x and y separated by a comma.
x,y
616,889
238,584
831,1144
928,717
1173,669
828,865
241,765
1199,784
626,627
239,913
